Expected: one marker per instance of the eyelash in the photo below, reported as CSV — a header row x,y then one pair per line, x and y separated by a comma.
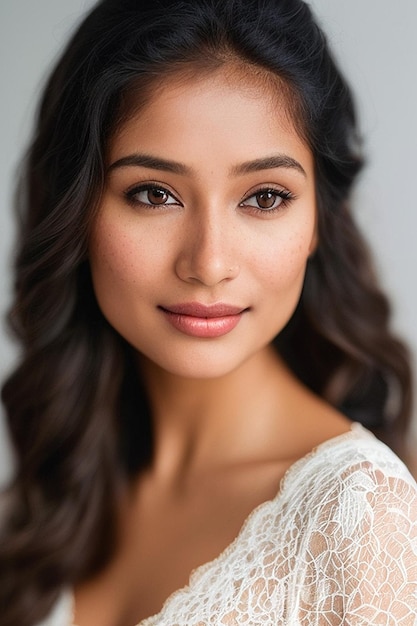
x,y
285,196
134,191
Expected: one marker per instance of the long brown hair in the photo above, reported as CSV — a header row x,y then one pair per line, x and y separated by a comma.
x,y
75,402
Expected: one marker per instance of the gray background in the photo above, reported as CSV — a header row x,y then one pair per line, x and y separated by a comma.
x,y
375,43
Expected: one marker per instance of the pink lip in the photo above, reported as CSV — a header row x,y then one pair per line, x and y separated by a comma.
x,y
199,320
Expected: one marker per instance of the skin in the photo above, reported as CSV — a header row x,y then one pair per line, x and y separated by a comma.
x,y
229,417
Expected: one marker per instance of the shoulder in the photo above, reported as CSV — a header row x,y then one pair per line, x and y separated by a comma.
x,y
356,461
355,485
356,515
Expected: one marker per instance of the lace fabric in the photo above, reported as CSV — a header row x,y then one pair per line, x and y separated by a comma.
x,y
336,546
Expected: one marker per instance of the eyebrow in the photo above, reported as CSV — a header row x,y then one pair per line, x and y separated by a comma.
x,y
153,163
166,165
269,163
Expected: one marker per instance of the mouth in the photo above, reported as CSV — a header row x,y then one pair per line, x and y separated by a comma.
x,y
204,321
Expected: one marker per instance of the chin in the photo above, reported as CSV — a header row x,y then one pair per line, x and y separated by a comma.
x,y
197,366
201,371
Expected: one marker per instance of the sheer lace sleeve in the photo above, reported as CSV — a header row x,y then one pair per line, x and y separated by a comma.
x,y
361,554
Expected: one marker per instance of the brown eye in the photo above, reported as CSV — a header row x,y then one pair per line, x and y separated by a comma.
x,y
157,196
148,195
266,199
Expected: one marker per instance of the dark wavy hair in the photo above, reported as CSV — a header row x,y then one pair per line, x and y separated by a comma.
x,y
74,399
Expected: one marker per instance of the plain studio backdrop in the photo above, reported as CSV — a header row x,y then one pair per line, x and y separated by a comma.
x,y
374,42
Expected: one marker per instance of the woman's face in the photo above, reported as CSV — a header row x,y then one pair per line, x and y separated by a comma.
x,y
199,249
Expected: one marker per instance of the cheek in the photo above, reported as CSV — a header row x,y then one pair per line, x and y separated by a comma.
x,y
120,255
121,272
115,265
112,259
283,260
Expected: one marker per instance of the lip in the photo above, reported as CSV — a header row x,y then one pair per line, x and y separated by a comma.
x,y
196,309
205,321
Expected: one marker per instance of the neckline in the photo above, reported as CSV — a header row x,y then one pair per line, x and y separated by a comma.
x,y
196,574
355,429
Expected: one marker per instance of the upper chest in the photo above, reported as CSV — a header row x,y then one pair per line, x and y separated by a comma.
x,y
164,536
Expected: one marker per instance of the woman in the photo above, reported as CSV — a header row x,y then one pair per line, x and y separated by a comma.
x,y
200,326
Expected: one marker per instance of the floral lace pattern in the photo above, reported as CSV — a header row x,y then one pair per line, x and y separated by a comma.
x,y
337,546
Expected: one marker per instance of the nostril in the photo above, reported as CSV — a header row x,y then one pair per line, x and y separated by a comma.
x,y
198,264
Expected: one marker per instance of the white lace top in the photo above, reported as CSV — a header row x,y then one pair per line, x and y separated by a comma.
x,y
336,546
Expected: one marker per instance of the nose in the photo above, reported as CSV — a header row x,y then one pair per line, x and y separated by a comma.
x,y
207,253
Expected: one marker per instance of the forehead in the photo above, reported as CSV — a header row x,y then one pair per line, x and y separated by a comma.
x,y
236,105
244,78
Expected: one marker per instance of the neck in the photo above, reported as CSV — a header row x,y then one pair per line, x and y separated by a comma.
x,y
198,423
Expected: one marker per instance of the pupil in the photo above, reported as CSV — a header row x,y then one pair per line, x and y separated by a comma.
x,y
157,196
266,199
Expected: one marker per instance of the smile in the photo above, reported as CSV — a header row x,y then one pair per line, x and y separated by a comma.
x,y
207,322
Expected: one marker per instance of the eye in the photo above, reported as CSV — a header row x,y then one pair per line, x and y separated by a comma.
x,y
150,195
267,200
